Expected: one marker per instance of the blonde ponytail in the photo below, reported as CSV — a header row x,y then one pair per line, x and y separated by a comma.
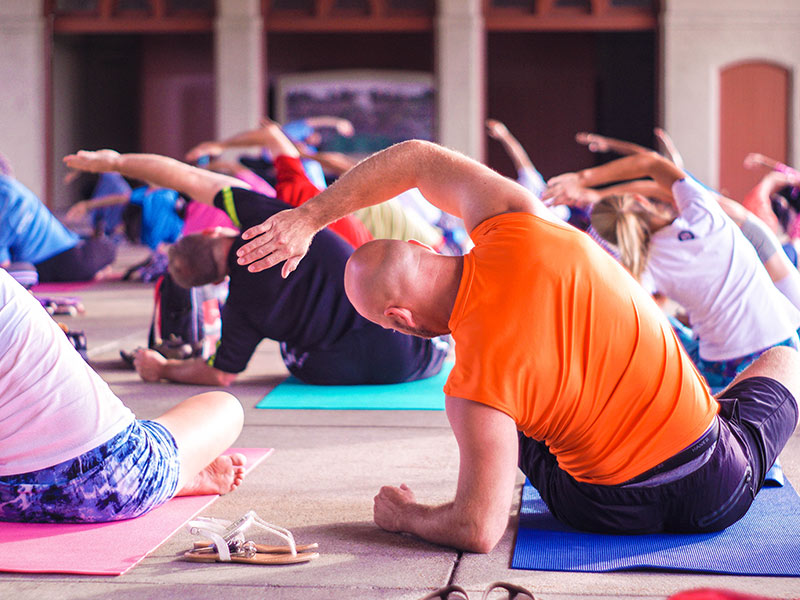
x,y
620,221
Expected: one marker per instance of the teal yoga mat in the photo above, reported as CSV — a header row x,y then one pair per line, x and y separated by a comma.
x,y
425,394
763,542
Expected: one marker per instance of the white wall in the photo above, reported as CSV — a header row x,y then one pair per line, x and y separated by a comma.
x,y
702,37
239,66
22,103
461,76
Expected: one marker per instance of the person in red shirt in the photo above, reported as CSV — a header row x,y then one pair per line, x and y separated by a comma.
x,y
564,364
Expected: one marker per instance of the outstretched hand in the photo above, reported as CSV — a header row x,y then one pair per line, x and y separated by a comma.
x,y
99,161
593,141
285,236
204,149
754,159
389,505
77,211
567,189
496,129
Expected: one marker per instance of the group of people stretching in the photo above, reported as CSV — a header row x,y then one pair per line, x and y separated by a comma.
x,y
565,365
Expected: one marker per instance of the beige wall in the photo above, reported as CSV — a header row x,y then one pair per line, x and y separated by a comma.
x,y
239,66
461,76
699,39
22,102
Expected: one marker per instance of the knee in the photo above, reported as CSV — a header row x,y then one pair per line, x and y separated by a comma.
x,y
782,364
228,408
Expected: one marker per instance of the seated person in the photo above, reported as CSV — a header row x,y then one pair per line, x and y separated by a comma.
x,y
71,452
154,215
565,365
323,339
30,233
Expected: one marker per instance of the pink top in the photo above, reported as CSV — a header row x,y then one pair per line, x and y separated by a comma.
x,y
201,216
256,183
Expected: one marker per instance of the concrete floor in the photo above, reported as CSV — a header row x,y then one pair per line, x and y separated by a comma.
x,y
319,483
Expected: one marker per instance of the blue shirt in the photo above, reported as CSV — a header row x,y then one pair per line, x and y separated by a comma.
x,y
29,232
160,221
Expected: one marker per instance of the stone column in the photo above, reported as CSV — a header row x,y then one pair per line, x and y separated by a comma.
x,y
239,65
461,76
23,71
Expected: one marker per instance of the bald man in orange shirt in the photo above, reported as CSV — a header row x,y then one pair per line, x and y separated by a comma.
x,y
564,365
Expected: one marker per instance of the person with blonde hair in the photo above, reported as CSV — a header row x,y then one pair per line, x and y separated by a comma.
x,y
682,244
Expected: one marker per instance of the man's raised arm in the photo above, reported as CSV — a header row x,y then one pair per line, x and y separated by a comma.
x,y
200,185
449,180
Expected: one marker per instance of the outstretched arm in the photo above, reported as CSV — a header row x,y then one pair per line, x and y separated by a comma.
x,y
669,147
198,184
449,180
342,126
268,135
600,143
78,210
645,164
511,145
153,367
478,516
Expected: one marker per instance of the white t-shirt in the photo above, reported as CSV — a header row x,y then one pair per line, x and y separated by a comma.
x,y
703,261
53,406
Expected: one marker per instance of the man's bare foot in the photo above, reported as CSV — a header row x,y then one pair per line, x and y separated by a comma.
x,y
223,475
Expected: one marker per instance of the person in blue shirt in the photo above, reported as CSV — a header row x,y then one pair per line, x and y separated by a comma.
x,y
30,233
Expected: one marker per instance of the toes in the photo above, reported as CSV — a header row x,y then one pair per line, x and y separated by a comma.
x,y
238,459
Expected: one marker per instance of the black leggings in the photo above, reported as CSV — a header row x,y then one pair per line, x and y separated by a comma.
x,y
79,263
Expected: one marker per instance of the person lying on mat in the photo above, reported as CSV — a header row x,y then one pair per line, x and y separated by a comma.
x,y
72,452
323,339
564,364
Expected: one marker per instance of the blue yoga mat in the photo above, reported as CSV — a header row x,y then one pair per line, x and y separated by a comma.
x,y
766,541
425,394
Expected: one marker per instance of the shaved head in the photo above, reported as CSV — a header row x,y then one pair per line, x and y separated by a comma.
x,y
389,282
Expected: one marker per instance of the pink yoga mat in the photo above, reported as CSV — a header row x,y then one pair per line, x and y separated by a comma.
x,y
103,548
62,287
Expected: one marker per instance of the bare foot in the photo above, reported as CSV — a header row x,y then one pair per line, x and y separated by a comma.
x,y
223,475
106,272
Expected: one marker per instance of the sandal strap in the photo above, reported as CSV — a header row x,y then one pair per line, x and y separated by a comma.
x,y
226,534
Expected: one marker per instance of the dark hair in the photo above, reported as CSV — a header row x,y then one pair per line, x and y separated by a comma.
x,y
132,220
191,261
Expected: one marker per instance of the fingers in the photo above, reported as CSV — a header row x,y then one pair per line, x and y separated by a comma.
x,y
289,266
583,138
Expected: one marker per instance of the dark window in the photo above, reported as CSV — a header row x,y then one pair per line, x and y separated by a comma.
x,y
72,6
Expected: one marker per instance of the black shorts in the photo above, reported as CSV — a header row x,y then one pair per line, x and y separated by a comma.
x,y
757,416
79,263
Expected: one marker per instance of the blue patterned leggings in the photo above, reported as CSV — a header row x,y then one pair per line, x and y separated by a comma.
x,y
131,474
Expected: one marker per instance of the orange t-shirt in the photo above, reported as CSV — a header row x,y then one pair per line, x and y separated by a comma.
x,y
550,330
